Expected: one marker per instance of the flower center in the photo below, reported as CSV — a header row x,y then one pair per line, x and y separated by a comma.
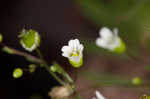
x,y
74,53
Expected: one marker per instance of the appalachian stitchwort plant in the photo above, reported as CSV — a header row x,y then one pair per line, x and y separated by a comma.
x,y
73,51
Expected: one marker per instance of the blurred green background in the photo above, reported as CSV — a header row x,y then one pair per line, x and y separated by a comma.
x,y
131,17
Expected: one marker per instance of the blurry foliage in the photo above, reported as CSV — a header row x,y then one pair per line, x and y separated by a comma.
x,y
131,17
92,49
107,79
145,97
100,79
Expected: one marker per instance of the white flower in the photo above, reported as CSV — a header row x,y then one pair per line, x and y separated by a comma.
x,y
98,95
74,52
110,40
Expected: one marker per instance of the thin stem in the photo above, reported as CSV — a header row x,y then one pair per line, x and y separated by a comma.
x,y
65,74
69,79
76,75
48,69
33,58
26,55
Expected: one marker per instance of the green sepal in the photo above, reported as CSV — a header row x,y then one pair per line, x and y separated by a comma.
x,y
120,49
17,73
136,81
29,39
76,64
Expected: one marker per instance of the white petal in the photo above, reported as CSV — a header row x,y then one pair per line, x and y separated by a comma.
x,y
71,43
66,48
75,45
106,33
77,42
66,51
81,47
101,42
115,31
99,95
65,54
116,43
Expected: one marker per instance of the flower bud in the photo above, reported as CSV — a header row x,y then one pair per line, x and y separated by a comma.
x,y
29,39
17,73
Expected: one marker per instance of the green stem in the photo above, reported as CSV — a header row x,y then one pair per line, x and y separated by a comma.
x,y
10,50
65,74
47,68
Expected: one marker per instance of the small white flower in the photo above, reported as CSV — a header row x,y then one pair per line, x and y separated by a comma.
x,y
98,95
110,40
74,52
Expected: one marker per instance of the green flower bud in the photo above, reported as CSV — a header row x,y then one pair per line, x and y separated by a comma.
x,y
53,68
136,81
32,68
56,68
29,39
17,73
